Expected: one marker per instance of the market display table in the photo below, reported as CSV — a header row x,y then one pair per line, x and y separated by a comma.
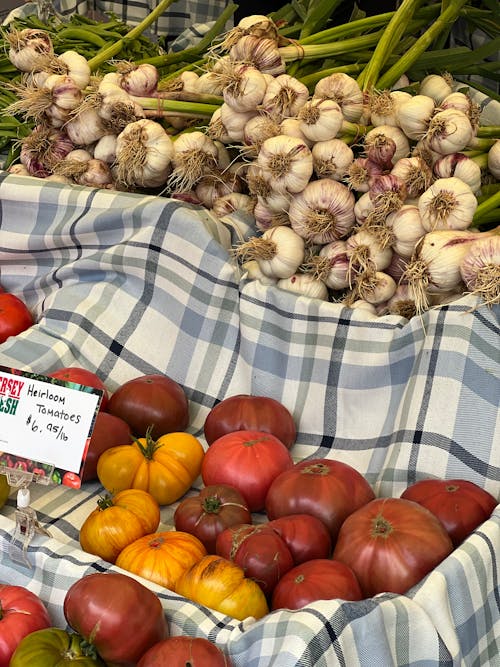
x,y
127,285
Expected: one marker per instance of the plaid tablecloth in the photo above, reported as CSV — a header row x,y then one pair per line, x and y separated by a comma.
x,y
126,285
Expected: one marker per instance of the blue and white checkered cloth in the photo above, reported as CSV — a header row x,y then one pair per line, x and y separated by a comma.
x,y
126,285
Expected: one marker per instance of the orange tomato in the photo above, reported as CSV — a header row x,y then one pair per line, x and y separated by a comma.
x,y
166,468
117,521
162,557
221,585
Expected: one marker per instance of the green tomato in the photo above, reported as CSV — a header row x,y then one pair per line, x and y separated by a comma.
x,y
52,647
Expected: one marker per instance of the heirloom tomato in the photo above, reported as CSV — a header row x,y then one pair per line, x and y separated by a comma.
x,y
391,544
162,557
245,412
84,377
329,490
461,506
21,612
305,535
318,579
117,614
259,550
213,509
118,521
247,460
166,468
217,583
53,647
151,402
109,431
14,316
184,651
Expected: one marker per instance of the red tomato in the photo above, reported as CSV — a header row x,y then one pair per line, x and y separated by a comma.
x,y
21,613
391,544
151,400
84,377
318,579
109,431
250,413
329,490
305,535
183,651
247,460
461,506
72,480
259,550
119,616
208,513
14,316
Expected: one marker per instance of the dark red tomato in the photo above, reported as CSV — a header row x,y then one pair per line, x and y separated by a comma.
x,y
247,460
84,377
305,535
109,431
245,412
21,613
391,544
259,550
119,616
318,579
14,316
72,480
461,506
151,400
211,511
329,490
184,651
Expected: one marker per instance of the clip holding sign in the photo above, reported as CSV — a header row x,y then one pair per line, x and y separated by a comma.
x,y
27,524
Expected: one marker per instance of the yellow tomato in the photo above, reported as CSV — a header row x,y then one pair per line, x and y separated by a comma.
x,y
166,468
162,557
221,585
117,521
4,490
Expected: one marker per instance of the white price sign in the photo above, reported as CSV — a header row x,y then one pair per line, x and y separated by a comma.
x,y
45,420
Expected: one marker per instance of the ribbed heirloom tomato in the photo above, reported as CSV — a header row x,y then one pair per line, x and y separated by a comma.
x,y
162,557
166,468
53,647
208,513
118,521
247,460
305,535
391,544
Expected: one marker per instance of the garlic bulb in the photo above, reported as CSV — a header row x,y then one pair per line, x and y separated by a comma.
x,y
279,252
284,96
375,287
415,115
494,159
244,87
261,52
306,285
320,119
480,269
448,203
195,155
378,136
461,166
366,253
332,159
323,211
286,162
415,174
437,87
331,265
384,106
449,131
344,90
407,229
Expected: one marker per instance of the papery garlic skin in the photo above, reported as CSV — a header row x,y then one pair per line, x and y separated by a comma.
x,y
379,135
286,163
306,285
449,131
415,115
460,166
344,90
284,96
332,265
332,159
436,86
244,88
480,269
288,253
494,159
320,119
407,229
323,211
448,203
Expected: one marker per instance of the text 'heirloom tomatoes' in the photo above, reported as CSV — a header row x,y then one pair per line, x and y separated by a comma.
x,y
245,412
166,468
21,612
329,490
391,544
115,613
247,460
